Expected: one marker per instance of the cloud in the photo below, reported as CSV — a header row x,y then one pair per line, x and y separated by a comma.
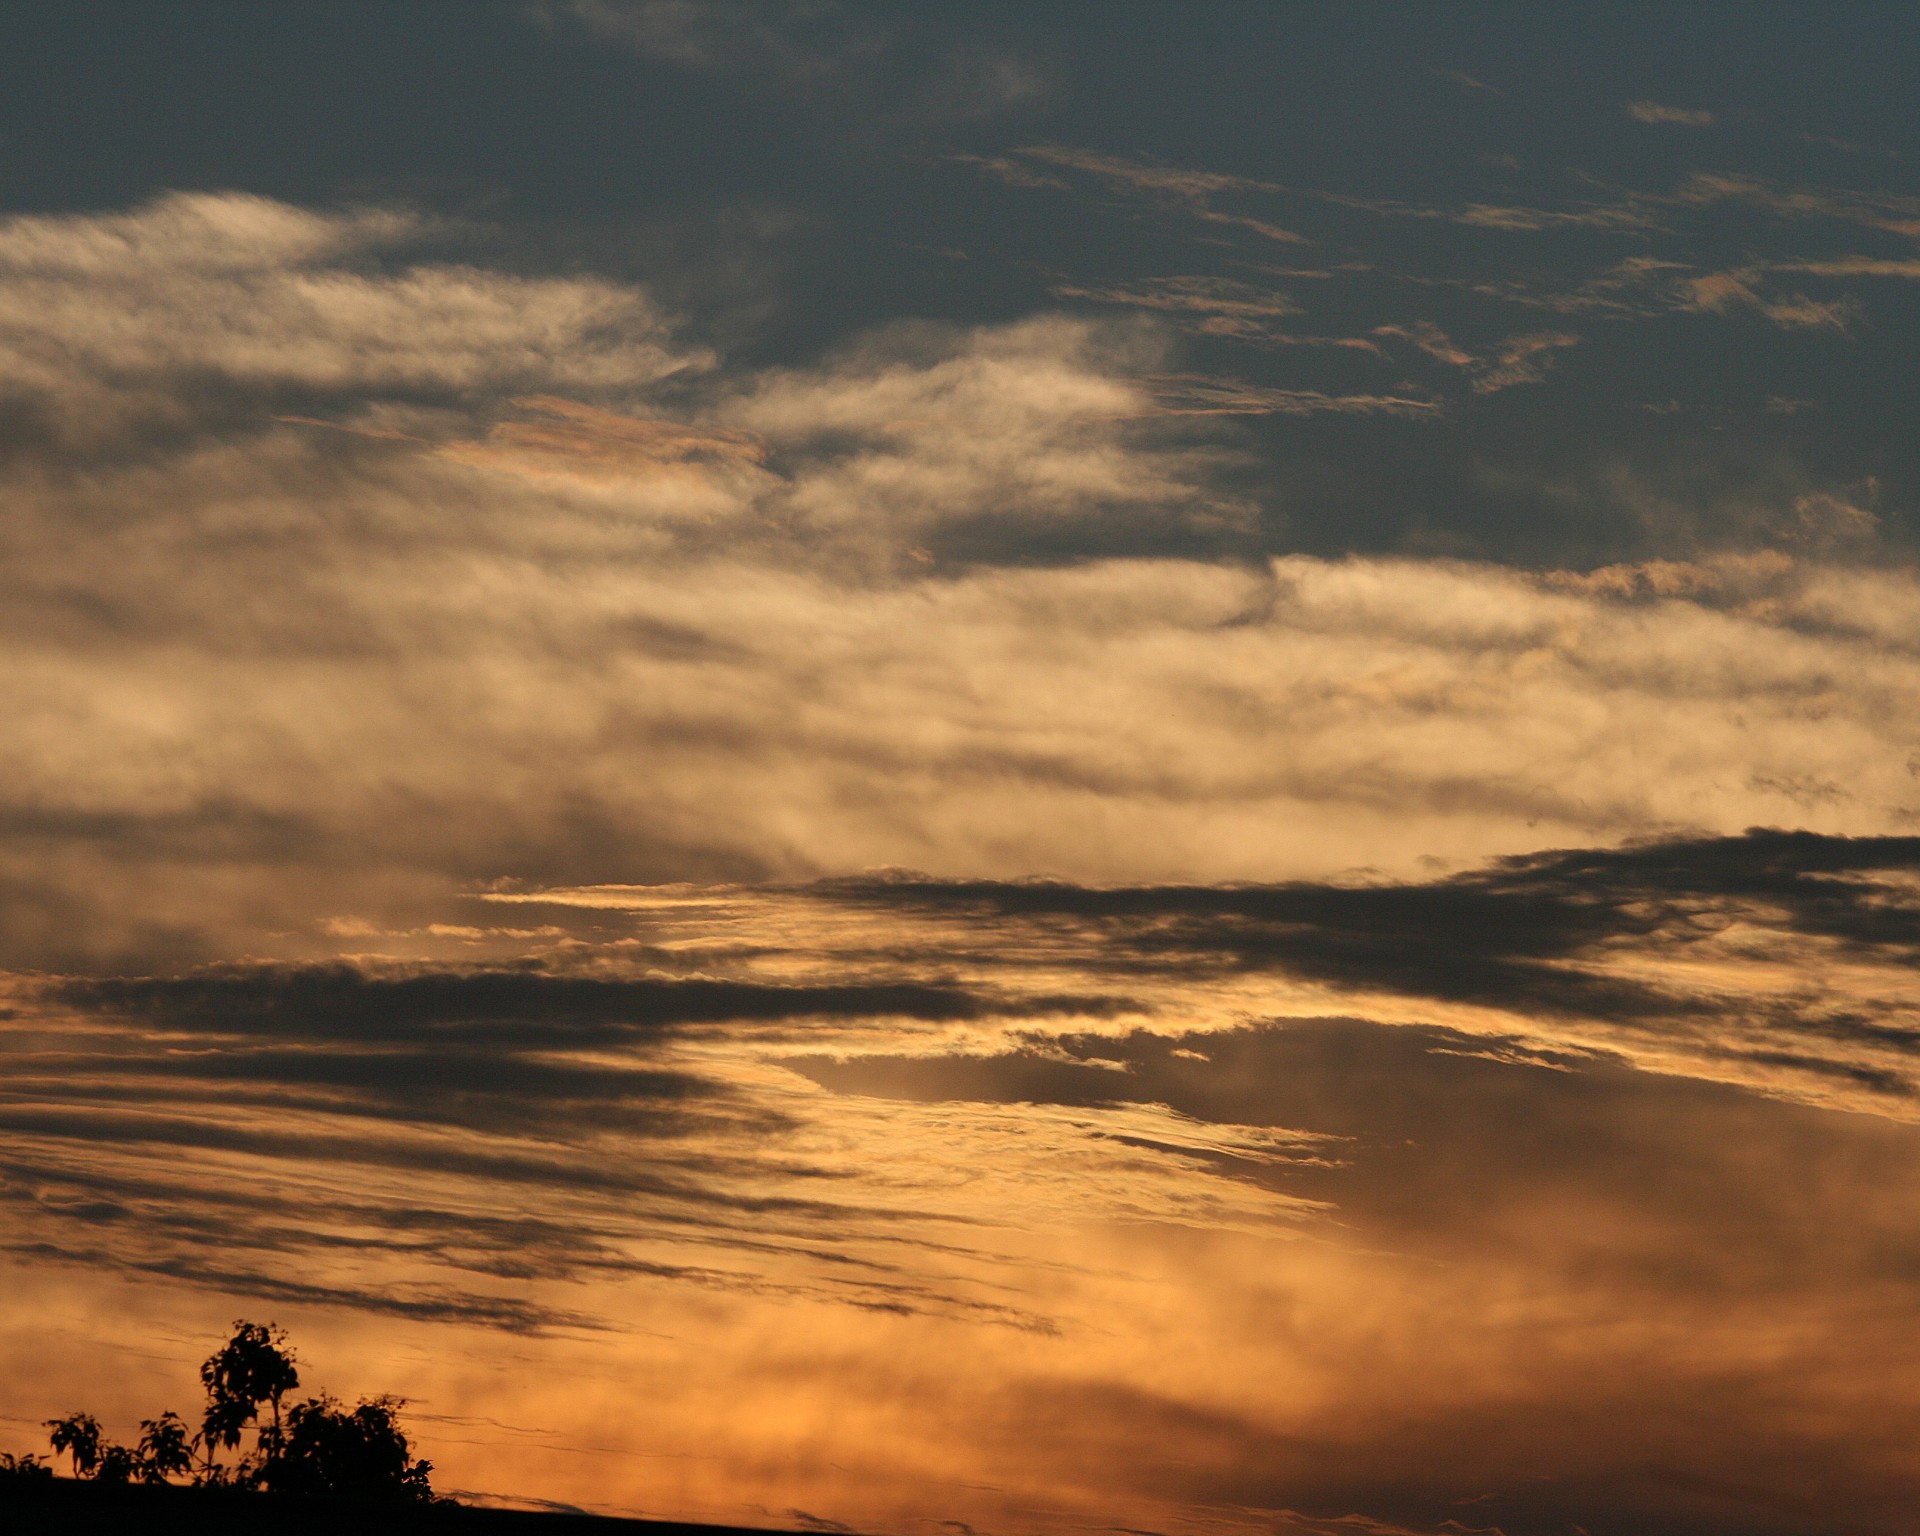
x,y
1644,950
168,318
341,1002
1312,1146
1718,292
1211,305
1643,287
1526,220
1522,359
1433,341
571,438
1198,395
1639,287
1013,172
1214,305
1454,1162
1824,521
415,1133
1475,1254
1188,190
1654,112
975,600
1466,81
821,53
1186,183
1894,212
1855,266
812,37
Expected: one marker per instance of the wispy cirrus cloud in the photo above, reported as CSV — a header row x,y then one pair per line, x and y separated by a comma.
x,y
1522,359
1467,82
1220,306
820,52
1189,190
1643,111
1636,287
1894,212
1204,395
1718,292
1231,299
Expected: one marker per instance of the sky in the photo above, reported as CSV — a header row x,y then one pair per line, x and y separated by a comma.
x,y
975,771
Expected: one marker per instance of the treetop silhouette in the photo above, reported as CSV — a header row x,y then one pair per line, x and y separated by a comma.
x,y
316,1446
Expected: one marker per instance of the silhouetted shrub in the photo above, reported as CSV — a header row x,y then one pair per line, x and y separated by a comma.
x,y
361,1454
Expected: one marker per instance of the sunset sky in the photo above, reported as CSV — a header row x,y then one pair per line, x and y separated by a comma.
x,y
987,770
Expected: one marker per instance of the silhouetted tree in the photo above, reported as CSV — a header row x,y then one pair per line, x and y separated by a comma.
x,y
316,1446
252,1368
23,1468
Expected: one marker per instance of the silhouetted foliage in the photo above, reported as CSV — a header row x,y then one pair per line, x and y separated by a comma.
x,y
362,1453
315,1446
23,1468
78,1434
165,1450
252,1368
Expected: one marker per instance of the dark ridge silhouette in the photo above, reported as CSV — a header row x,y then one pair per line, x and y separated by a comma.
x,y
61,1506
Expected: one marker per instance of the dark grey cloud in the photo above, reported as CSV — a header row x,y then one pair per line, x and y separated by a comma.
x,y
1502,934
527,1007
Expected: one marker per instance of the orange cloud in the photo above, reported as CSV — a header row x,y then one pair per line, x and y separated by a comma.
x,y
588,443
